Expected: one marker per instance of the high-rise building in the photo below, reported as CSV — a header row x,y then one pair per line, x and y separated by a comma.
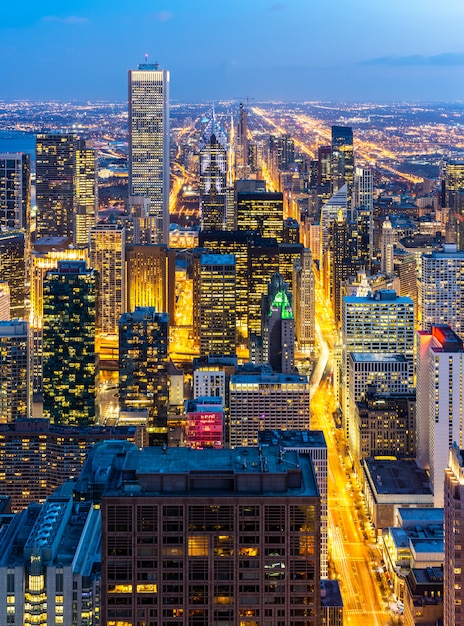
x,y
263,262
136,220
343,261
69,314
15,191
143,368
442,288
363,208
241,152
55,169
237,533
389,237
13,268
262,211
107,256
304,302
324,157
217,291
379,323
55,550
334,208
453,592
213,176
150,278
342,165
278,326
262,400
149,164
14,371
440,401
85,191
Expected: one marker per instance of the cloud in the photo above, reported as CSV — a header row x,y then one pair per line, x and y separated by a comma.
x,y
163,16
278,6
445,59
71,19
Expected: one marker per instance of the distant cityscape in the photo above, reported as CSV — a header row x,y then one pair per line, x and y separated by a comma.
x,y
231,361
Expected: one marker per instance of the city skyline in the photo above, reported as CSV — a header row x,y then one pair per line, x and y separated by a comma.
x,y
268,50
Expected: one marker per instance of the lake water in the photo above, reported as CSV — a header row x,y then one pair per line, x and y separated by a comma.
x,y
16,141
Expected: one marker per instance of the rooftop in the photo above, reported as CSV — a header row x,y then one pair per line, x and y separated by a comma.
x,y
292,438
377,357
399,477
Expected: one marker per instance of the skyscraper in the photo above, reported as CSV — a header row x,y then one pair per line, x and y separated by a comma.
x,y
107,256
304,302
55,166
149,143
237,531
13,268
453,592
440,401
14,371
217,290
342,166
213,176
278,326
389,237
363,207
15,192
333,209
443,288
69,314
86,192
143,368
261,211
380,323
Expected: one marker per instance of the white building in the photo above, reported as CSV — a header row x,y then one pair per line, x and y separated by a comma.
x,y
303,301
335,207
107,256
389,238
442,288
267,401
440,401
149,143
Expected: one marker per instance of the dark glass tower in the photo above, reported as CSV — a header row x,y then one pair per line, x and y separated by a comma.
x,y
69,313
342,167
13,268
213,176
55,184
15,199
143,368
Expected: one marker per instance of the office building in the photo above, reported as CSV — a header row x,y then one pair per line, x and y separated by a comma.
x,y
389,238
85,191
261,211
217,293
335,208
37,456
342,162
45,255
238,534
50,563
278,326
204,422
107,257
263,262
363,208
310,442
379,323
70,305
453,591
304,304
261,400
15,370
440,401
15,191
385,424
55,169
136,220
13,246
342,261
241,144
143,368
149,161
442,288
150,278
213,176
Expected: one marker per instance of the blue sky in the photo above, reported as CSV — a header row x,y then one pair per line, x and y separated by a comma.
x,y
354,50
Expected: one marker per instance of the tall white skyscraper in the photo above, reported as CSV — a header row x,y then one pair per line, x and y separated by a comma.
x,y
440,402
149,143
388,246
443,288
